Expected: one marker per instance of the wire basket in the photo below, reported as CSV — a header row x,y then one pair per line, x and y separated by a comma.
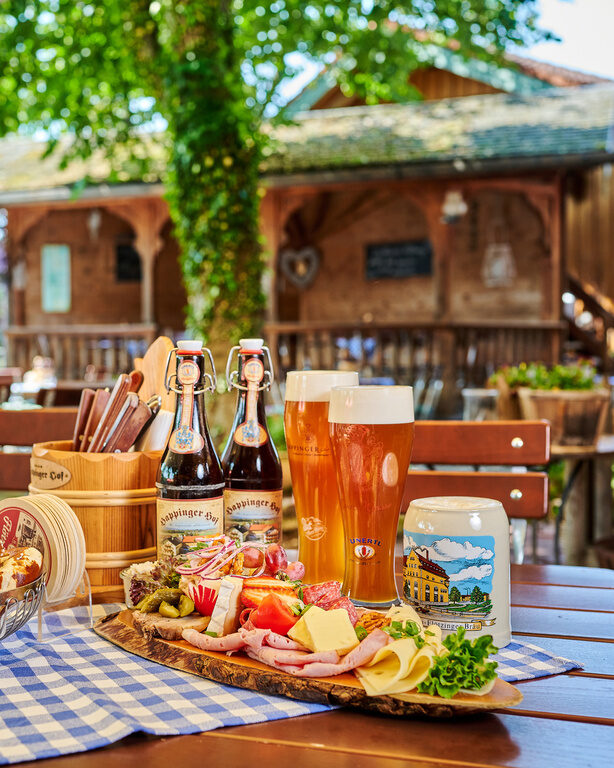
x,y
17,606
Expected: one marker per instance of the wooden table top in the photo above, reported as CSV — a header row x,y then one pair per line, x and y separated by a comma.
x,y
564,720
604,447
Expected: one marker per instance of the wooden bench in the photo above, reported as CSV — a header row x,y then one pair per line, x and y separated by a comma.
x,y
24,428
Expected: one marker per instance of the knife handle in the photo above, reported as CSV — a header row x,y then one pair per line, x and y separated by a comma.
x,y
85,405
132,428
99,403
111,412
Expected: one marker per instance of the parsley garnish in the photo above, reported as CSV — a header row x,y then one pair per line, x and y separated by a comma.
x,y
399,630
464,666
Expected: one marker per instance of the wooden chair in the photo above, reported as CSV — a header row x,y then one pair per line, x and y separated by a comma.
x,y
522,447
514,444
24,428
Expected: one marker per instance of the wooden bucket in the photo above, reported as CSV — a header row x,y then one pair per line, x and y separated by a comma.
x,y
114,497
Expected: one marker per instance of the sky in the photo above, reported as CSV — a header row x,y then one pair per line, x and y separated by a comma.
x,y
585,27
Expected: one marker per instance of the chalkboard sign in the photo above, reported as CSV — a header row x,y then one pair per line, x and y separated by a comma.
x,y
406,259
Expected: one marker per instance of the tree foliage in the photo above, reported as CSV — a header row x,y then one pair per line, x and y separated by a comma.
x,y
197,77
454,595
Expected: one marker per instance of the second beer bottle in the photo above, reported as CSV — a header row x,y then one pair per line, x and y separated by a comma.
x,y
252,469
190,485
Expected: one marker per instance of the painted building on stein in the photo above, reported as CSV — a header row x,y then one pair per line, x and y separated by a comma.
x,y
422,243
424,580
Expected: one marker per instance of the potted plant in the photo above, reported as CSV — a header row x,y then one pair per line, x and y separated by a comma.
x,y
568,396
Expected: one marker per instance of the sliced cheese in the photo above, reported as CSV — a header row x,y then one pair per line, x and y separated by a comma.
x,y
397,668
404,613
321,630
225,616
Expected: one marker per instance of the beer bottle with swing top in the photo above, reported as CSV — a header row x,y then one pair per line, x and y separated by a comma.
x,y
252,469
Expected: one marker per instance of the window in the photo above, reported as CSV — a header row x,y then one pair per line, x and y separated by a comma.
x,y
127,262
55,278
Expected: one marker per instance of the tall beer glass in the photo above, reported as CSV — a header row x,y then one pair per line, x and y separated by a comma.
x,y
372,433
320,527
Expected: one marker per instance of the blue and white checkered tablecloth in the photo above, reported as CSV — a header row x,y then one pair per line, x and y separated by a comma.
x,y
80,692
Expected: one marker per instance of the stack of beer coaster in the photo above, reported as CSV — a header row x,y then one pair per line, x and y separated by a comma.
x,y
47,523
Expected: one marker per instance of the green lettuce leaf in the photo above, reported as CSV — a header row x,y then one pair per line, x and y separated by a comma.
x,y
463,666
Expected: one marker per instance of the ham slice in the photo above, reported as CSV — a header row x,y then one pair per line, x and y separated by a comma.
x,y
277,658
319,667
263,645
283,643
231,642
250,638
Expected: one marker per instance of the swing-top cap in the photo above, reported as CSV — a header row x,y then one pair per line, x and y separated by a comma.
x,y
251,345
189,346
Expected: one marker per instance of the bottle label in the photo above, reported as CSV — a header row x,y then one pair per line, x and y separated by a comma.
x,y
182,523
449,579
253,517
251,433
185,439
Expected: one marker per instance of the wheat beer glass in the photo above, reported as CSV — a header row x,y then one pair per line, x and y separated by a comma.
x,y
372,432
314,484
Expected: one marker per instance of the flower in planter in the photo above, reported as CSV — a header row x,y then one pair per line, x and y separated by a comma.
x,y
540,376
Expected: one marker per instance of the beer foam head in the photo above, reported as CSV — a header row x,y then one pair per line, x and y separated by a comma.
x,y
455,504
371,405
315,386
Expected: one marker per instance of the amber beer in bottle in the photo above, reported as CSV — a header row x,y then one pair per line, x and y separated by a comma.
x,y
314,483
190,486
371,433
252,469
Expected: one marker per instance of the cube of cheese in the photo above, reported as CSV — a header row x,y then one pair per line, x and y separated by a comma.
x,y
299,631
225,616
322,630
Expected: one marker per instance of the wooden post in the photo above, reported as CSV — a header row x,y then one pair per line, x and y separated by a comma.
x,y
270,226
20,222
146,217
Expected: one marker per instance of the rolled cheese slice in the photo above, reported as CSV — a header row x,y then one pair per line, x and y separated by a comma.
x,y
19,566
397,668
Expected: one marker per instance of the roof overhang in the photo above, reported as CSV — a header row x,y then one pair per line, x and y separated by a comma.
x,y
86,196
446,170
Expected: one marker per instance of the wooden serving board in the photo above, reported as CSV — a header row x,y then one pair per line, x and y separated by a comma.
x,y
243,672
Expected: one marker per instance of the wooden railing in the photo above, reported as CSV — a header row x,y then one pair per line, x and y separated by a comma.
x,y
110,348
456,354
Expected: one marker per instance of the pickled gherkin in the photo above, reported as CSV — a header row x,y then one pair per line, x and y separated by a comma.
x,y
151,603
168,610
186,606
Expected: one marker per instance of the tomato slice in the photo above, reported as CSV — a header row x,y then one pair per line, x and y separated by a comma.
x,y
274,614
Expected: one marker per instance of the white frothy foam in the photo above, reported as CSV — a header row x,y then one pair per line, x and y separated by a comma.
x,y
371,405
315,386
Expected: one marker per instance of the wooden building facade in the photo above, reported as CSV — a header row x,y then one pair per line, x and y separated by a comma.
x,y
428,240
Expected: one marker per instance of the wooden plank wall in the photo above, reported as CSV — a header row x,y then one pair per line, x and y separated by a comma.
x,y
589,228
431,82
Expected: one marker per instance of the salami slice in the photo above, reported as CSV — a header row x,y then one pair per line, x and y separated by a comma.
x,y
322,594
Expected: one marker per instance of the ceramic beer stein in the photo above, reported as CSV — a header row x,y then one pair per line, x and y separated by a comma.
x,y
456,565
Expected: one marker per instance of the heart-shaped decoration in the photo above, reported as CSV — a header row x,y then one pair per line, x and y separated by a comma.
x,y
300,267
